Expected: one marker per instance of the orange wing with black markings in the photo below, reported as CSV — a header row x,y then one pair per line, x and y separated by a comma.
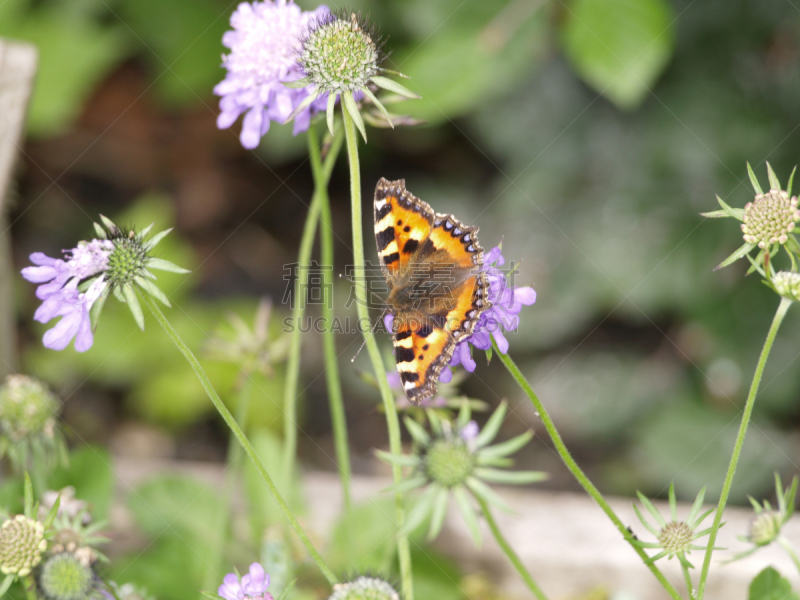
x,y
432,263
403,223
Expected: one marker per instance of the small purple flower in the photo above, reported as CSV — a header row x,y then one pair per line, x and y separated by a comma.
x,y
253,585
469,432
503,315
265,47
75,288
59,292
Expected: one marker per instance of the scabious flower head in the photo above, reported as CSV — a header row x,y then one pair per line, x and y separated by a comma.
x,y
770,218
264,49
457,459
28,423
22,544
76,287
767,223
64,577
503,315
674,538
253,585
340,58
787,284
72,529
364,588
768,522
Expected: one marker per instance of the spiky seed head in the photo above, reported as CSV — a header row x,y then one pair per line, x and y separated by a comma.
x,y
770,218
64,577
449,462
128,260
675,537
340,53
764,528
21,545
364,588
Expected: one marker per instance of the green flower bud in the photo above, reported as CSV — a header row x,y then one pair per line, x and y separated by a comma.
x,y
764,528
770,218
787,284
27,407
449,462
676,537
364,588
21,545
340,54
64,577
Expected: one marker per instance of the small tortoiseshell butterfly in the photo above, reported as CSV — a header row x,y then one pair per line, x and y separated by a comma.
x,y
437,290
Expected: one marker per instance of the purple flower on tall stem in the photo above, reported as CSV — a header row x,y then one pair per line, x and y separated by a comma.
x,y
253,585
59,281
264,48
76,287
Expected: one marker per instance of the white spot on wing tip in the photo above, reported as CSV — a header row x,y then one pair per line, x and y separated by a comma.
x,y
408,385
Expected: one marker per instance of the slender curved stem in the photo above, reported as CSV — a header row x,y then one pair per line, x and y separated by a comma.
x,y
576,471
392,421
233,464
737,448
30,587
688,578
509,551
328,340
790,551
299,308
237,431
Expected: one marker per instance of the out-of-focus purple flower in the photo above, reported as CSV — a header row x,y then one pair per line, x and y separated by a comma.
x,y
59,292
469,432
253,585
265,47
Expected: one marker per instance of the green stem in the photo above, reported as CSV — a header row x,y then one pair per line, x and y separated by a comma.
x,y
237,431
299,308
392,421
576,471
790,551
30,587
335,401
737,448
687,576
232,469
509,551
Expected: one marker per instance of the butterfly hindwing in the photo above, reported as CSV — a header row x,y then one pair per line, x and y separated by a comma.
x,y
421,355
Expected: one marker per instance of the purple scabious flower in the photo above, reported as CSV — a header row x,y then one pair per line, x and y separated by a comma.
x,y
265,45
76,287
59,292
507,302
253,585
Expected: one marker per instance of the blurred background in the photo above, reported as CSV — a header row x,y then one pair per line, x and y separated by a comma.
x,y
587,136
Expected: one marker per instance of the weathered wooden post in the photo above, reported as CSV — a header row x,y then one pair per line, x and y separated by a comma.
x,y
17,70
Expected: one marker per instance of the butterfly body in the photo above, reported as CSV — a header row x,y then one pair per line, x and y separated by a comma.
x,y
437,291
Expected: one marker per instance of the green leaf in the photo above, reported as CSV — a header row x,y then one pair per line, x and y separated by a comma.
x,y
504,448
417,432
164,265
753,180
492,426
464,505
510,477
152,289
97,307
439,511
9,579
774,182
743,250
393,86
349,104
619,47
133,303
769,585
29,497
153,241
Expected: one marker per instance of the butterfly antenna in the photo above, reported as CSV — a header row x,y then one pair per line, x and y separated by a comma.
x,y
374,328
